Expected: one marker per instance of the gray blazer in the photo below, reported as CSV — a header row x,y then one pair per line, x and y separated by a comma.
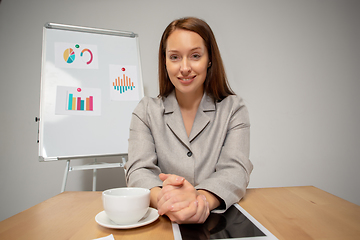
x,y
215,157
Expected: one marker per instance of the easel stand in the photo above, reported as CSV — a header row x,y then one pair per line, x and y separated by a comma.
x,y
94,166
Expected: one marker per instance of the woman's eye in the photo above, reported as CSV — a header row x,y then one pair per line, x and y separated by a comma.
x,y
174,57
196,56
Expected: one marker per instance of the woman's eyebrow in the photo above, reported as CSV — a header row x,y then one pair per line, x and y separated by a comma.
x,y
174,50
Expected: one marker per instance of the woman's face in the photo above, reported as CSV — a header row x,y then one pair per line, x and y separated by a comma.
x,y
187,61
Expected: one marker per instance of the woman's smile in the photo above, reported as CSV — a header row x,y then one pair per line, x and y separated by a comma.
x,y
186,80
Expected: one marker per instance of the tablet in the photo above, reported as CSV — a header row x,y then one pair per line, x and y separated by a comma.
x,y
233,224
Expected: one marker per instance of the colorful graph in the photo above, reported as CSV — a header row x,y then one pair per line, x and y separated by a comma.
x,y
123,84
69,55
78,104
91,55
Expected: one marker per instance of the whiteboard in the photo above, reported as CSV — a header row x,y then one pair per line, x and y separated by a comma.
x,y
90,84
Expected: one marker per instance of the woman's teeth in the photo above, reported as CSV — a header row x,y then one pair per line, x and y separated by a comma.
x,y
186,79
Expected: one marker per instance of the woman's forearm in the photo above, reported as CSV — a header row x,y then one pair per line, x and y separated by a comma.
x,y
210,198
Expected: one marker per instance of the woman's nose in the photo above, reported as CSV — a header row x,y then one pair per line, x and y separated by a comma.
x,y
185,67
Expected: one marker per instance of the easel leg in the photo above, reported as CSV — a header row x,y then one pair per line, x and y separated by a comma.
x,y
94,180
65,175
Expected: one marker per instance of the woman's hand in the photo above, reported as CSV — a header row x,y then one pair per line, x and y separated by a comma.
x,y
180,201
175,194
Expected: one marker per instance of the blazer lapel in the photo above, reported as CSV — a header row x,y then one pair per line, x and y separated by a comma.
x,y
202,119
173,119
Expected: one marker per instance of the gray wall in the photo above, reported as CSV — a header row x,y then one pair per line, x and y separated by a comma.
x,y
296,64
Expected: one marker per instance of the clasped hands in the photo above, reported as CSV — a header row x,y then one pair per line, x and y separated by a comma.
x,y
180,201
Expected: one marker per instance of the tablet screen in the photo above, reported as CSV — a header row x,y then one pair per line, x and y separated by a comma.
x,y
235,223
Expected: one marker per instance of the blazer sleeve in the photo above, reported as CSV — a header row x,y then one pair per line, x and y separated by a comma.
x,y
232,171
141,167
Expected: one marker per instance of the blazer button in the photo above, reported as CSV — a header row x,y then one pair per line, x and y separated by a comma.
x,y
189,154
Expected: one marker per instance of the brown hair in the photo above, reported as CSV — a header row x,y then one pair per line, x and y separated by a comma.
x,y
216,84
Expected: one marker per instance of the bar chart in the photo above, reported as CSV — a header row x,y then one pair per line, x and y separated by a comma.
x,y
79,104
78,101
123,84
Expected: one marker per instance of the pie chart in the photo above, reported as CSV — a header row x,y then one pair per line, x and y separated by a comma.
x,y
69,55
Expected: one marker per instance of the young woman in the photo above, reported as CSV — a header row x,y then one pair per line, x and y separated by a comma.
x,y
190,145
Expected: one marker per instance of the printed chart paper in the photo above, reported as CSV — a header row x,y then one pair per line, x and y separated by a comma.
x,y
78,101
123,83
76,55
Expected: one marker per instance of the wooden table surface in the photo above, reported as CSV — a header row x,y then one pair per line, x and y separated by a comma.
x,y
289,213
303,213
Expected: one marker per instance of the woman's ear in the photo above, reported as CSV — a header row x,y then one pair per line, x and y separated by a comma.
x,y
209,65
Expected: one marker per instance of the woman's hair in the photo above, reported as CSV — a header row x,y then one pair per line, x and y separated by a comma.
x,y
216,84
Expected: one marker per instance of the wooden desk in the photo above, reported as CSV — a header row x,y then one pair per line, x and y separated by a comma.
x,y
289,213
303,213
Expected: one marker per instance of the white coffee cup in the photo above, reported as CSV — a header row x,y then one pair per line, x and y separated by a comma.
x,y
126,205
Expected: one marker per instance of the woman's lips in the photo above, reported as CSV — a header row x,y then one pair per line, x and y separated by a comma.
x,y
186,80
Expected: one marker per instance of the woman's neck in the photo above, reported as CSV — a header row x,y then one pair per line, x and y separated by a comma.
x,y
189,102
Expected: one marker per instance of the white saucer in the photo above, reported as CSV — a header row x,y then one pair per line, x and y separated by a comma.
x,y
103,220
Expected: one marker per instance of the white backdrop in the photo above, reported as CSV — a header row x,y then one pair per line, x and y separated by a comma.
x,y
296,64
